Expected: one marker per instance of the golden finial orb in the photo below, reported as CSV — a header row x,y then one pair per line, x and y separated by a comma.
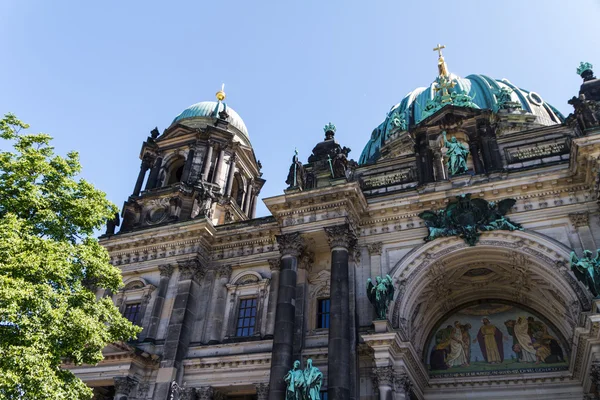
x,y
221,93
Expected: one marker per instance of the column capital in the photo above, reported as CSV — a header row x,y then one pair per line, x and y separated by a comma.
x,y
124,385
580,219
187,393
274,264
205,393
341,236
375,248
262,390
383,376
166,270
191,268
224,271
291,244
402,383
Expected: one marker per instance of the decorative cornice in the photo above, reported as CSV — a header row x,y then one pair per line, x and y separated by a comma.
x,y
166,270
375,248
341,236
580,219
291,244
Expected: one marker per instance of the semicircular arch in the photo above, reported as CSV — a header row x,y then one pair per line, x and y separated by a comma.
x,y
520,267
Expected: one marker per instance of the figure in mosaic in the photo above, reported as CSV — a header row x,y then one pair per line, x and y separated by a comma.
x,y
294,380
380,294
587,270
457,155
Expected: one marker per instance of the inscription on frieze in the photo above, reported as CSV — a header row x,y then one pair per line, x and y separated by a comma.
x,y
531,152
402,176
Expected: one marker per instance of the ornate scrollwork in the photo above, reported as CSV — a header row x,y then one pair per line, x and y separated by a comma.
x,y
383,376
166,270
189,269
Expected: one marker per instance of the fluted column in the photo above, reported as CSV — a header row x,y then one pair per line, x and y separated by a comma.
x,y
146,162
248,197
207,161
341,241
218,308
291,245
165,275
230,175
219,166
274,287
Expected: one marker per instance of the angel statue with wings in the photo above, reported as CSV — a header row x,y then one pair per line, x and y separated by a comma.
x,y
587,270
380,294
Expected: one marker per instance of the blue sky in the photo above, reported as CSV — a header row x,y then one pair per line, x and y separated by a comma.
x,y
98,76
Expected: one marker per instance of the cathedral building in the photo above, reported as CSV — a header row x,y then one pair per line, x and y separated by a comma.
x,y
452,260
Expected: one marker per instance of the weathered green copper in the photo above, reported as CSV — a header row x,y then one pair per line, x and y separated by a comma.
x,y
303,385
380,294
457,156
468,217
587,270
329,128
504,100
584,66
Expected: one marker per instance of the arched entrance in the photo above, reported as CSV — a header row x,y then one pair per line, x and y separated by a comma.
x,y
443,281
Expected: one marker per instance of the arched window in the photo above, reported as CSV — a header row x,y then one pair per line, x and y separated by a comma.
x,y
175,171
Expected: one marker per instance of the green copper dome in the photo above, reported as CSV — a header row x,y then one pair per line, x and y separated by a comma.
x,y
475,91
211,109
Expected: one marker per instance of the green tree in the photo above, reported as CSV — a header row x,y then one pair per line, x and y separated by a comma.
x,y
50,266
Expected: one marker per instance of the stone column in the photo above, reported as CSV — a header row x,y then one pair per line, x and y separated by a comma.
x,y
402,386
123,386
230,175
474,149
218,309
341,241
254,200
581,223
271,308
219,166
438,166
185,307
248,198
383,378
165,275
304,263
207,161
185,175
291,246
262,391
153,177
146,162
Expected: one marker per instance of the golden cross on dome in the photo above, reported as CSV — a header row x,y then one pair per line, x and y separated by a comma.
x,y
439,49
221,93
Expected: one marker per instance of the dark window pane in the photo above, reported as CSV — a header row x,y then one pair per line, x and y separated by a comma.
x,y
132,311
246,317
323,313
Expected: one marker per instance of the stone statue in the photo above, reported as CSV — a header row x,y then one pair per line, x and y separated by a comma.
x,y
295,384
587,270
313,379
340,162
380,294
457,155
296,176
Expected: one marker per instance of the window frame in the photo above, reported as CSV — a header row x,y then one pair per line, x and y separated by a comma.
x,y
320,313
241,301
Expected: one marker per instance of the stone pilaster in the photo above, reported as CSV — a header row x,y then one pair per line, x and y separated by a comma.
x,y
402,386
207,161
290,246
219,167
581,223
230,175
273,289
146,163
123,387
375,250
341,376
219,297
165,275
262,391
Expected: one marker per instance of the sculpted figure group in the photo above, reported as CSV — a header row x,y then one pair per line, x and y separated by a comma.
x,y
587,270
303,385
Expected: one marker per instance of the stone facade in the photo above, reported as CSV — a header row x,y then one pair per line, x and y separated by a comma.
x,y
195,260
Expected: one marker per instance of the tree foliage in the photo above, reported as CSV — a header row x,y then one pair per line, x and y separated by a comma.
x,y
50,267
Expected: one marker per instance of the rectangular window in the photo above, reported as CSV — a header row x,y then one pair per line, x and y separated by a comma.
x,y
132,311
323,313
324,395
246,317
